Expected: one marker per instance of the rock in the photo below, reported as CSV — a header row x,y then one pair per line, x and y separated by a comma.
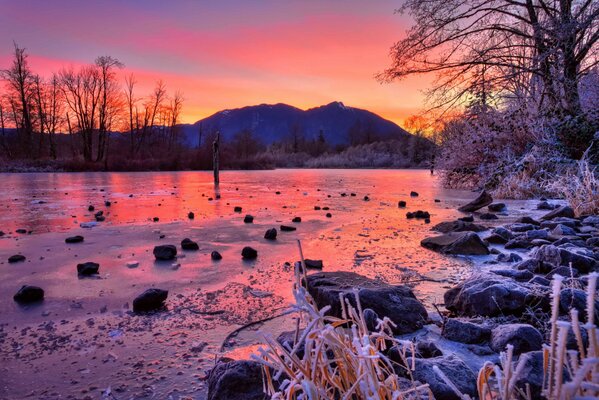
x,y
191,215
248,219
575,298
499,235
523,337
296,219
188,244
539,280
497,207
518,243
469,218
316,208
328,215
21,231
150,300
509,258
16,258
237,209
287,228
592,242
366,198
249,253
527,220
564,271
544,205
530,372
487,216
413,194
488,296
398,303
313,264
165,252
90,208
591,220
483,200
537,234
563,230
287,340
401,204
534,266
107,203
215,255
563,211
580,258
550,224
74,239
518,275
371,318
522,227
427,349
418,214
453,367
88,268
465,332
271,234
29,294
239,380
466,243
458,226
132,264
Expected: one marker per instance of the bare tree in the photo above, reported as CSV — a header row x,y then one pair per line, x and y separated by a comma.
x,y
109,104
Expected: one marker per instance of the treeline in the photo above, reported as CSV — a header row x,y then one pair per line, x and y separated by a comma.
x,y
84,118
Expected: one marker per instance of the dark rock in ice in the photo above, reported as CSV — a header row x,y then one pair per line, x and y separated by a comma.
x,y
74,239
465,332
523,337
414,194
453,367
297,219
249,253
191,215
582,259
458,226
215,255
150,300
29,294
576,299
237,209
271,234
518,275
90,208
188,244
466,243
398,303
88,268
248,219
287,228
487,216
165,252
401,204
509,258
544,205
16,258
497,207
483,200
328,215
563,211
239,380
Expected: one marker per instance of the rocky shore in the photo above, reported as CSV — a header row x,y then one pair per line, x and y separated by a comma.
x,y
506,304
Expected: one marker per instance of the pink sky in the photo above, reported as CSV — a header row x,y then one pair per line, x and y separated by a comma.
x,y
226,54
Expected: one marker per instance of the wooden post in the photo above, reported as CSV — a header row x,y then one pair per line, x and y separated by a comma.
x,y
215,157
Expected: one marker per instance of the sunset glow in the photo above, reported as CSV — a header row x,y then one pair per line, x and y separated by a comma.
x,y
227,54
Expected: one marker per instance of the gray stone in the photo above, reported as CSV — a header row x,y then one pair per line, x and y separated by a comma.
x,y
466,243
464,332
563,211
165,252
483,200
453,367
150,300
523,337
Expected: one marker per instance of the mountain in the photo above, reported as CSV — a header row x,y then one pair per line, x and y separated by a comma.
x,y
270,123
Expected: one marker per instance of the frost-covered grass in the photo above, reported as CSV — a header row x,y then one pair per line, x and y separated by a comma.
x,y
580,188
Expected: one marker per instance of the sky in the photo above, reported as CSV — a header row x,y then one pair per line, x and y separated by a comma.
x,y
226,54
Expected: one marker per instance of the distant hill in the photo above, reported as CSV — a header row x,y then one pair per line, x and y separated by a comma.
x,y
270,123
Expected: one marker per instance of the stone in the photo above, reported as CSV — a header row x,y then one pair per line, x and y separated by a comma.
x,y
398,303
329,215
313,264
453,367
215,255
74,239
488,296
16,258
271,234
563,211
530,372
523,337
488,216
248,253
518,243
88,268
509,258
371,318
165,252
150,300
576,299
248,219
401,204
29,294
458,226
237,209
544,205
591,220
464,332
239,380
518,275
188,244
457,243
497,207
521,227
527,220
413,194
191,215
483,200
296,219
287,228
287,340
537,234
580,258
563,230
564,271
539,280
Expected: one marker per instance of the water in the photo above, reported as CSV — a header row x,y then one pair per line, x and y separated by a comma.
x,y
207,299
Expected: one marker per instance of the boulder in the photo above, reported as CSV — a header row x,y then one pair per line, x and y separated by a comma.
x,y
575,298
398,303
563,230
544,205
88,268
527,220
287,228
539,280
29,294
563,211
497,207
188,244
237,209
537,234
313,264
16,258
150,300
191,215
523,337
488,216
401,204
458,226
239,380
531,372
509,258
469,218
271,234
465,332
74,239
215,255
249,253
287,340
165,252
248,219
453,367
580,258
518,243
297,219
483,200
518,275
466,243
488,296
413,194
